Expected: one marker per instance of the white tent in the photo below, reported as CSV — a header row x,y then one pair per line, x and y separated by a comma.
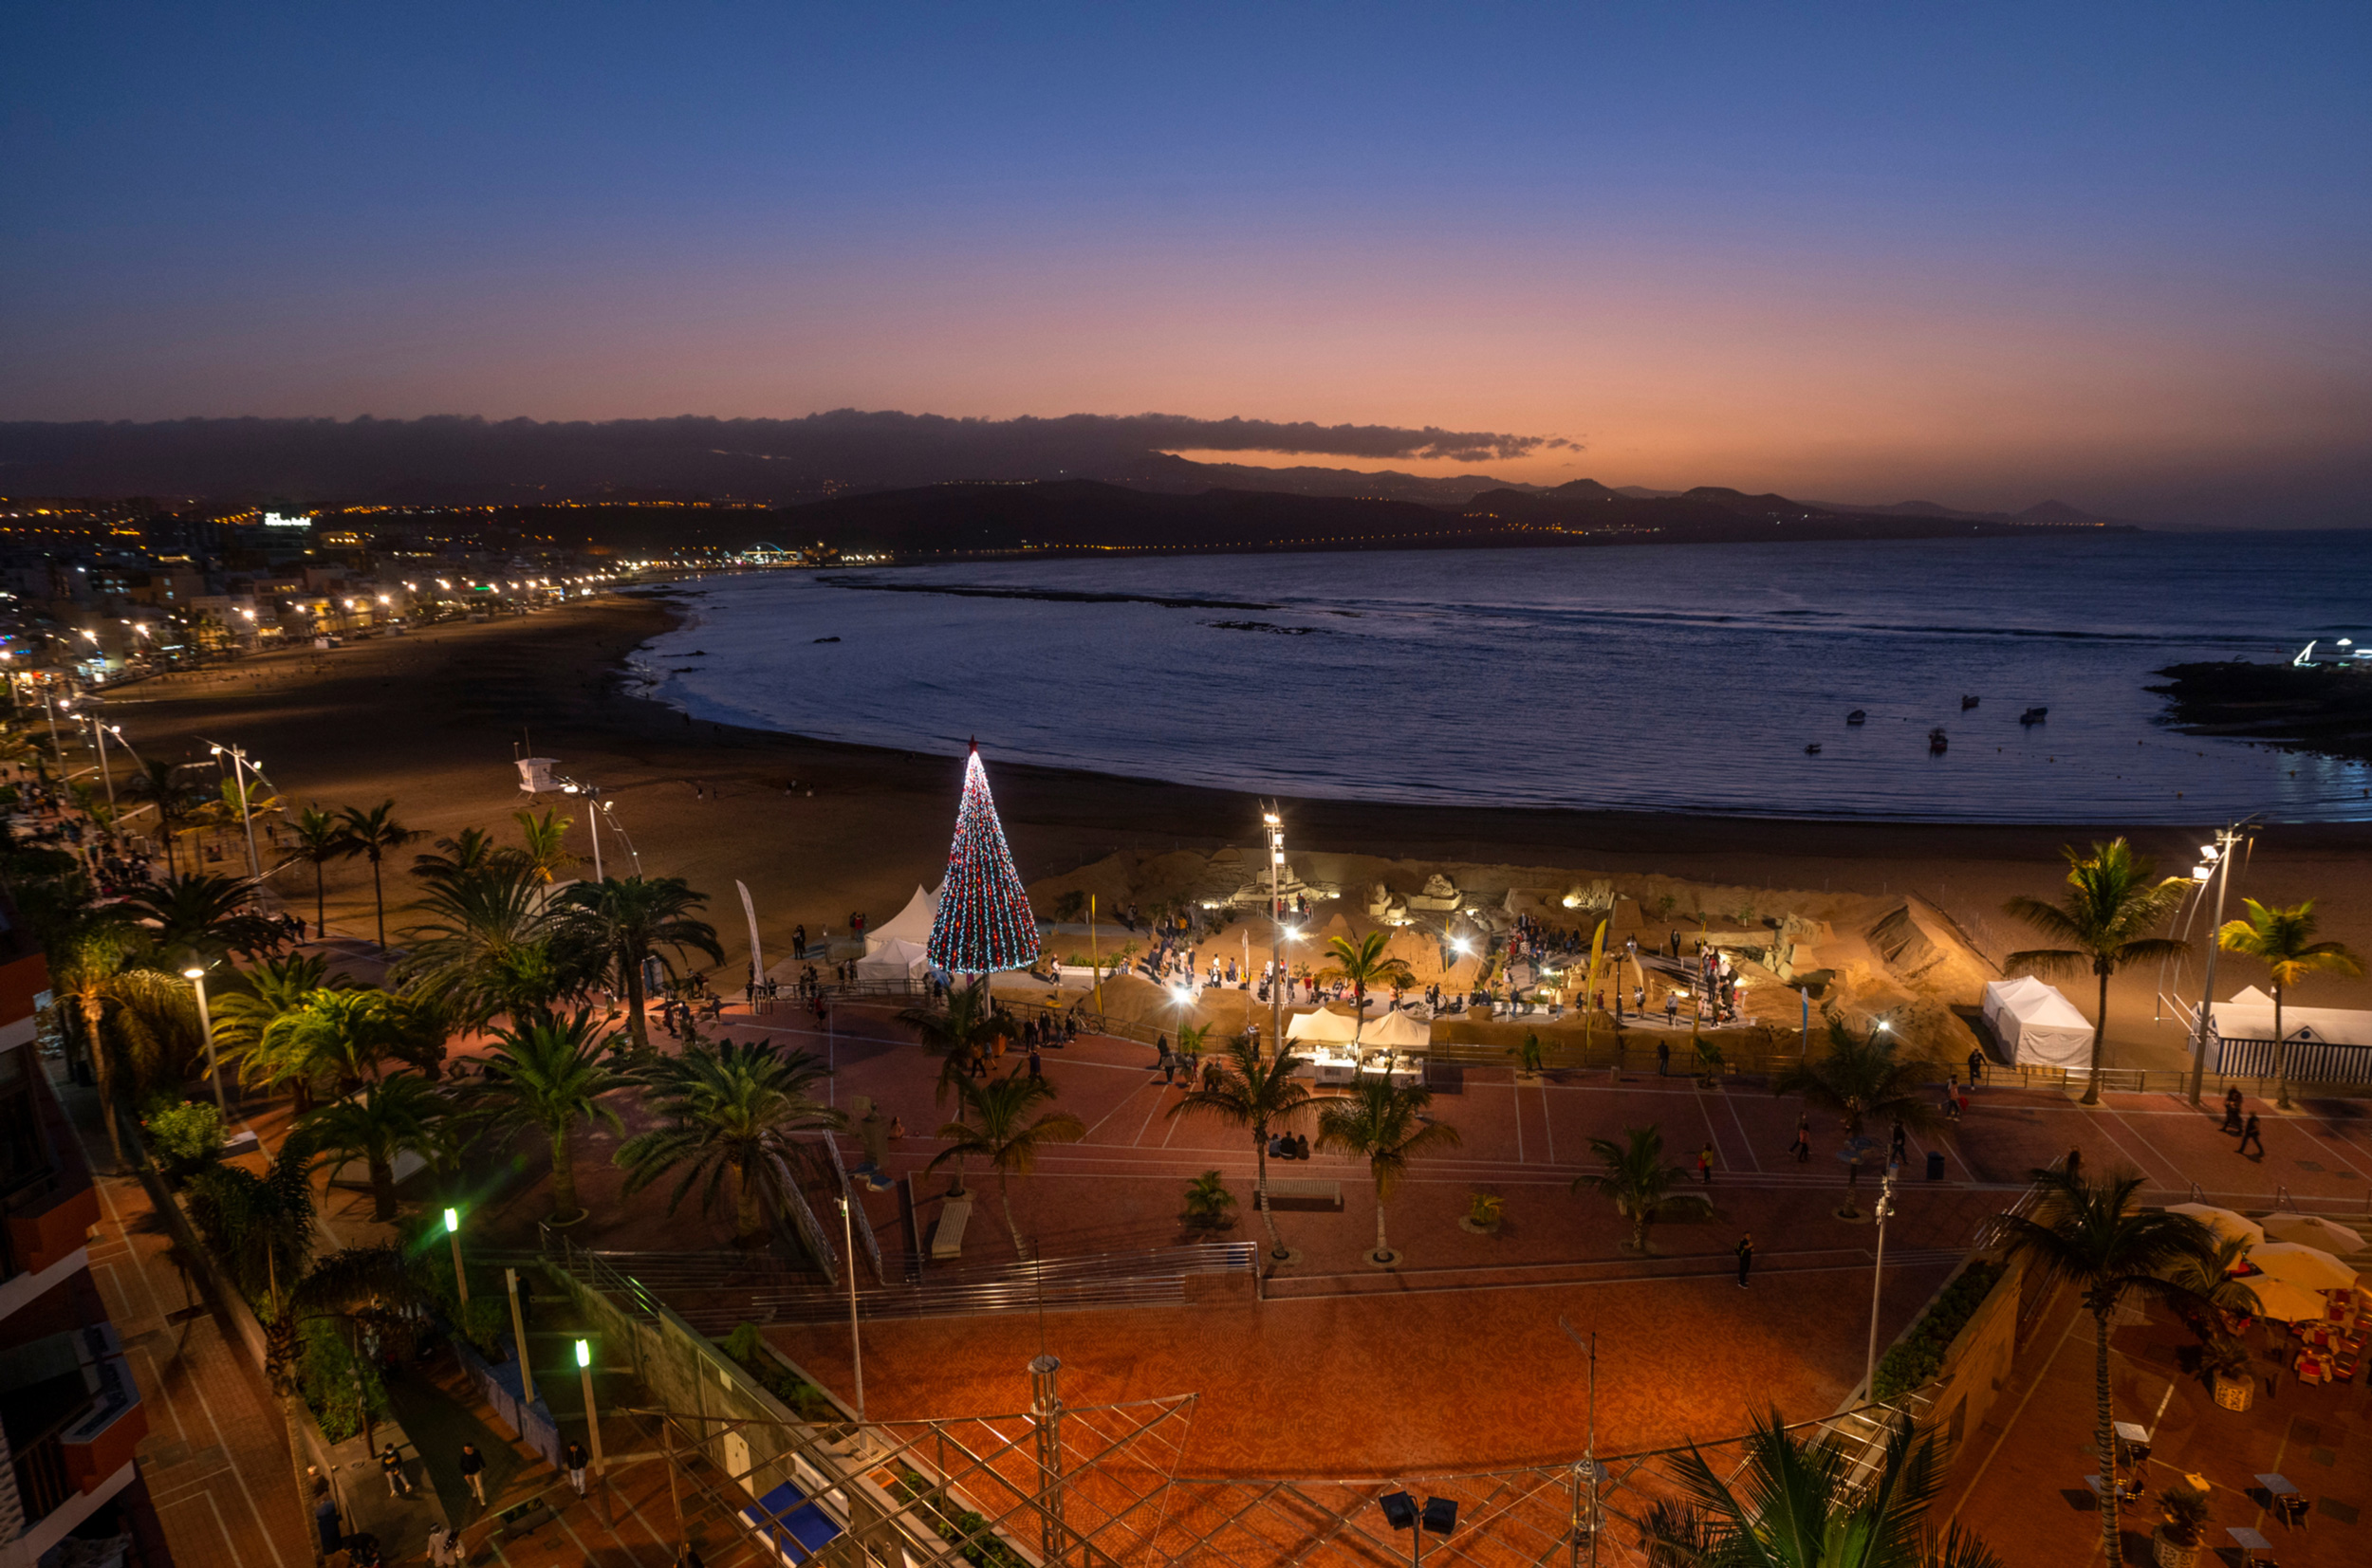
x,y
1322,1027
913,923
2250,1016
2036,1025
894,959
1398,1030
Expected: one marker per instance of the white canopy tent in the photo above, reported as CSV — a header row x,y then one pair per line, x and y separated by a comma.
x,y
2250,1016
2036,1025
1399,1031
895,958
911,924
1322,1027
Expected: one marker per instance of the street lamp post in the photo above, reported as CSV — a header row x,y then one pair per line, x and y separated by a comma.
x,y
856,1344
593,1422
1275,824
2217,863
460,1278
241,765
195,975
1882,1211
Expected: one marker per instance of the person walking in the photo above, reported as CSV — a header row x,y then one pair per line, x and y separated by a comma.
x,y
1664,1047
574,1459
1705,1164
2232,1109
1976,1063
391,1464
444,1546
2248,1134
1037,1066
1745,1257
473,1471
1898,1146
1802,1146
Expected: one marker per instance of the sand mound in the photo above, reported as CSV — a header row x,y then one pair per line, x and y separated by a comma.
x,y
1923,951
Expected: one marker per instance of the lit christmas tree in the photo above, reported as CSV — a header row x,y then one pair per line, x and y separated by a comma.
x,y
984,921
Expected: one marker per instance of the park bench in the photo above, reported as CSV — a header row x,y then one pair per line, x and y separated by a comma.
x,y
1291,1193
947,1236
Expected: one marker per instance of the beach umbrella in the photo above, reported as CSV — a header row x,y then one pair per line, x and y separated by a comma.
x,y
2307,1267
2283,1301
2313,1230
2227,1225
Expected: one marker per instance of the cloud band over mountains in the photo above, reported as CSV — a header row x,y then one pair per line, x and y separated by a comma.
x,y
457,457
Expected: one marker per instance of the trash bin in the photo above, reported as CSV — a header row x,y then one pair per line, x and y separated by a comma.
x,y
1934,1165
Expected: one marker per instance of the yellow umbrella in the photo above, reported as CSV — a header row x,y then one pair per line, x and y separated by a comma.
x,y
2313,1230
2228,1226
2307,1267
2280,1301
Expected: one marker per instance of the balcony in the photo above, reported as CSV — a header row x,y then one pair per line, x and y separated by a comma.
x,y
48,1204
72,1413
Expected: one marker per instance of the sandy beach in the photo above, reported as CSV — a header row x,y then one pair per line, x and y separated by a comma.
x,y
434,720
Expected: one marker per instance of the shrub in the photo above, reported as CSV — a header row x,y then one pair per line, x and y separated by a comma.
x,y
2186,1510
1919,1354
747,1347
967,1531
183,1138
337,1385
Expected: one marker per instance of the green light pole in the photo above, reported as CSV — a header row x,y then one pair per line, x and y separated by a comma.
x,y
453,1232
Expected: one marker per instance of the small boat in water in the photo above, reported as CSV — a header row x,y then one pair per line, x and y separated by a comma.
x,y
1967,702
1937,741
1856,717
2035,715
1813,749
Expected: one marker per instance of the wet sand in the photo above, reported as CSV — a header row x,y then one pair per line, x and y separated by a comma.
x,y
818,830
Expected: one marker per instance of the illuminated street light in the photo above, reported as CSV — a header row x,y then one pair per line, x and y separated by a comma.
x,y
195,975
461,1279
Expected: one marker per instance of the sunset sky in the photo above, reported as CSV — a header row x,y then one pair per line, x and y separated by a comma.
x,y
2112,254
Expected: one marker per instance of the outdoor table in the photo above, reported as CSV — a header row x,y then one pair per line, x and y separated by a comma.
x,y
2248,1541
2277,1485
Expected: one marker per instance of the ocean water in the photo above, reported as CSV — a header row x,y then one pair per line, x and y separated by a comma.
x,y
1674,678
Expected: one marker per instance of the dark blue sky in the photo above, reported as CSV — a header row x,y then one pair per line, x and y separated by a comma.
x,y
2112,253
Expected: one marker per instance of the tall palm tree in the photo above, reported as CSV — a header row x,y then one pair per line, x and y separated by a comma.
x,y
1241,1089
341,1040
160,781
1383,1124
1638,1181
201,917
551,1078
458,857
253,997
401,1113
630,918
2092,1235
490,945
1798,1503
84,969
320,838
1364,963
372,834
2100,921
960,1032
546,853
998,1129
733,1109
2283,941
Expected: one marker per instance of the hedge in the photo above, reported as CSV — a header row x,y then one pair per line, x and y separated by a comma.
x,y
1919,1354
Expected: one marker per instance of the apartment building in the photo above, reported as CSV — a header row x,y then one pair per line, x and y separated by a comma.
x,y
70,1412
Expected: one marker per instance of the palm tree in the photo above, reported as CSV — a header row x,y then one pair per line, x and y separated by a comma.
x,y
1363,963
2100,922
490,945
545,854
1384,1124
2283,941
2093,1236
83,971
453,859
1862,1076
1238,1087
1637,1180
246,1006
201,917
400,1112
1208,1201
1797,1503
341,1040
371,833
998,1129
551,1078
962,1031
160,781
630,918
320,838
738,1110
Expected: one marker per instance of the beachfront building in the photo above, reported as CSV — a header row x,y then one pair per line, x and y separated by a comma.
x,y
70,1412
